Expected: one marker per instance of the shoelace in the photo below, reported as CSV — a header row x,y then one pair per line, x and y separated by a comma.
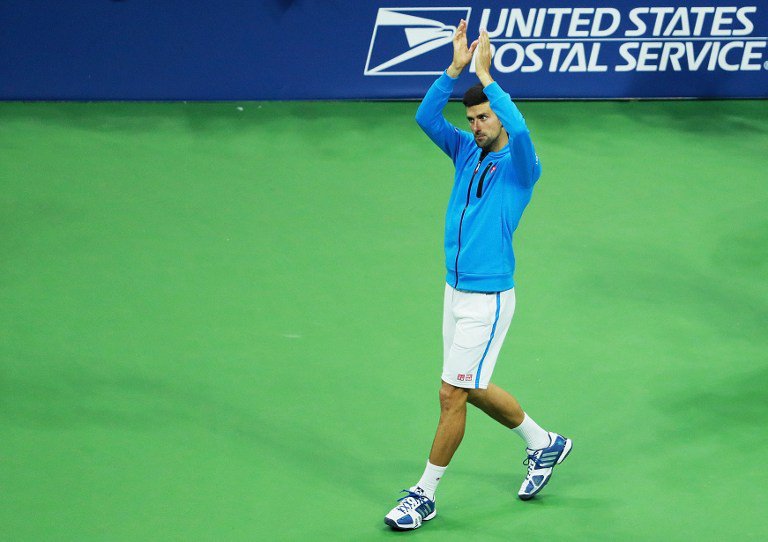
x,y
415,500
530,461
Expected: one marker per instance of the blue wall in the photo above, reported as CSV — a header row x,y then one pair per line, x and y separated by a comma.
x,y
303,49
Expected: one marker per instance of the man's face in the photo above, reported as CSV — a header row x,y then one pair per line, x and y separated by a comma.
x,y
485,125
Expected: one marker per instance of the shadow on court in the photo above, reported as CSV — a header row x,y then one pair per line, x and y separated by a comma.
x,y
722,409
83,397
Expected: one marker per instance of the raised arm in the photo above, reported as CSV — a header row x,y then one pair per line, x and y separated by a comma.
x,y
527,165
430,113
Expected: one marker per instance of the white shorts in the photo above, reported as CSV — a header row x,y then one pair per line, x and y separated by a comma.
x,y
474,327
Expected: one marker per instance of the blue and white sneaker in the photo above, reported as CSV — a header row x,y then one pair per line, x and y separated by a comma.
x,y
540,464
413,509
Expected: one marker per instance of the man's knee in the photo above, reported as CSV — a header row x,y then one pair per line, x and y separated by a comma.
x,y
452,397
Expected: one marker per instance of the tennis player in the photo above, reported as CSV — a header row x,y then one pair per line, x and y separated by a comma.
x,y
496,170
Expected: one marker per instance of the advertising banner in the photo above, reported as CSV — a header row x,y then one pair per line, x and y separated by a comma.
x,y
283,49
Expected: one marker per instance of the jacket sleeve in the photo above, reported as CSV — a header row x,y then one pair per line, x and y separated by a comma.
x,y
524,159
430,117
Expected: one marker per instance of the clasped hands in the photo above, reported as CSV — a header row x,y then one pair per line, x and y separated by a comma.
x,y
462,54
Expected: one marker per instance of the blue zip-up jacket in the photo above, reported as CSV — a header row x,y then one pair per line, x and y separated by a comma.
x,y
488,196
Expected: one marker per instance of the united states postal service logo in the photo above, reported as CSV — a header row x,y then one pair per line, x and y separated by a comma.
x,y
413,41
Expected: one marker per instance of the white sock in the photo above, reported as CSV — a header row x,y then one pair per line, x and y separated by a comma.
x,y
430,479
534,436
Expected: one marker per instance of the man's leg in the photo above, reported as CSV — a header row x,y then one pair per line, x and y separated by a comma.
x,y
450,428
450,432
505,409
545,449
419,505
498,404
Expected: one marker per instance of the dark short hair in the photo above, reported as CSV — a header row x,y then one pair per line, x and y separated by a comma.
x,y
474,96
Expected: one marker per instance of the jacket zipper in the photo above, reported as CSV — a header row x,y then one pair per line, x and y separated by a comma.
x,y
461,220
482,178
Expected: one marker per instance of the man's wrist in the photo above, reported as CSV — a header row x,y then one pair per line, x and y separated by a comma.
x,y
453,71
485,78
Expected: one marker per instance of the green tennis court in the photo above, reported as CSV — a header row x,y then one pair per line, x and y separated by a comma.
x,y
224,324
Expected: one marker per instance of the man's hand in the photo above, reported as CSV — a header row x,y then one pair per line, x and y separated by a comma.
x,y
483,59
461,54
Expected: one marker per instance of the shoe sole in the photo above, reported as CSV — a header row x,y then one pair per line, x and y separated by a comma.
x,y
392,523
566,450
